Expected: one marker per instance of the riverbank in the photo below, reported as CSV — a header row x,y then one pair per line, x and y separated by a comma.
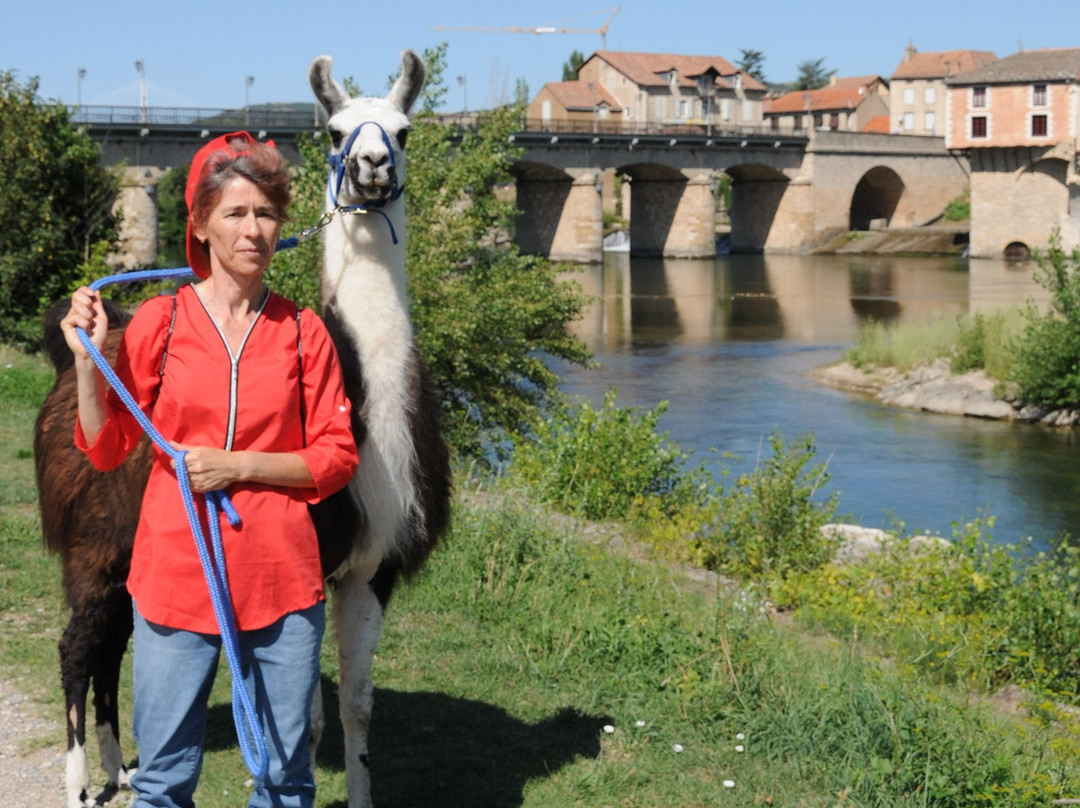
x,y
935,388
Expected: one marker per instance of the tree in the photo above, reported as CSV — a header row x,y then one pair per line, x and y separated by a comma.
x,y
172,216
487,319
55,207
752,62
571,65
812,74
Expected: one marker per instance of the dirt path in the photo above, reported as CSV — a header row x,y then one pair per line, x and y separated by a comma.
x,y
31,761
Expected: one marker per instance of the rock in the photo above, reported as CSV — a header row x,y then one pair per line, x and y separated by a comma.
x,y
858,543
934,388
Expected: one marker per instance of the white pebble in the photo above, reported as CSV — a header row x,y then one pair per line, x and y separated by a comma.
x,y
609,729
740,737
729,784
739,747
676,747
639,723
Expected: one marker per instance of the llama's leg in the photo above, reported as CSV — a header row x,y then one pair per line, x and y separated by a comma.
x,y
115,634
75,678
358,616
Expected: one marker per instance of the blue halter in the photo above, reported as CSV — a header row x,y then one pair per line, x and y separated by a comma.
x,y
337,177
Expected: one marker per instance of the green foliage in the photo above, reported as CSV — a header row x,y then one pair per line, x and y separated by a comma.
x,y
985,341
172,216
813,74
571,65
56,204
959,209
487,318
599,463
906,347
769,522
752,62
1046,357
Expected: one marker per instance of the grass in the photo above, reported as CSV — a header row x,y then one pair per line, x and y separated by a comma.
x,y
968,342
521,641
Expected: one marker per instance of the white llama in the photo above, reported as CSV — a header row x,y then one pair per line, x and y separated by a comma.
x,y
384,524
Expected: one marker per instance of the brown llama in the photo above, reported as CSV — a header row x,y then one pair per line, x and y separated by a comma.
x,y
378,529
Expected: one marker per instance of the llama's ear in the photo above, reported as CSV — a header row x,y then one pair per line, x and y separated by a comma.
x,y
408,85
330,94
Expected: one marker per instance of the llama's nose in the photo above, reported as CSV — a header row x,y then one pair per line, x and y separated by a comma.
x,y
374,157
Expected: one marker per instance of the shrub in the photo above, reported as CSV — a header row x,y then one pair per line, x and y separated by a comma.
x,y
598,463
1046,357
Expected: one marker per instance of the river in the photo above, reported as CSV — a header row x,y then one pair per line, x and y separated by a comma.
x,y
730,343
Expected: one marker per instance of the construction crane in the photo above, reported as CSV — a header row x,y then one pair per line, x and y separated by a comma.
x,y
535,29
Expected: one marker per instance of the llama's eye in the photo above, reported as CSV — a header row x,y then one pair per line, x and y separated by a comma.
x,y
402,136
336,137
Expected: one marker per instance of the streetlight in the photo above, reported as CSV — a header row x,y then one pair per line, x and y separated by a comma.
x,y
78,87
248,81
464,82
140,65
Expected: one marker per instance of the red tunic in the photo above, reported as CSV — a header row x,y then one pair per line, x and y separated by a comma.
x,y
272,558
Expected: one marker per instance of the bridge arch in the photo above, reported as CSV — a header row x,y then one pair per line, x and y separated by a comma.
x,y
877,196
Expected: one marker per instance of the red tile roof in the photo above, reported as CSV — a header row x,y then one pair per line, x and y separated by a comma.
x,y
826,99
878,125
648,69
577,95
941,64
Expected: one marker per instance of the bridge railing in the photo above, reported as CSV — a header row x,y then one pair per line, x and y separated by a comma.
x,y
726,129
216,117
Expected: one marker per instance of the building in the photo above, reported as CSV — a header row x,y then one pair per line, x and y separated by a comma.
x,y
851,104
653,91
917,88
577,106
1018,119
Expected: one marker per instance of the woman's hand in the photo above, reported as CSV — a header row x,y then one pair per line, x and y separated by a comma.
x,y
88,313
212,469
209,469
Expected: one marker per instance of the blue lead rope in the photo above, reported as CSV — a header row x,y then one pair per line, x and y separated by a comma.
x,y
245,717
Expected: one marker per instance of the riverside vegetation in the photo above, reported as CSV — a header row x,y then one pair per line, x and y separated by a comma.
x,y
533,664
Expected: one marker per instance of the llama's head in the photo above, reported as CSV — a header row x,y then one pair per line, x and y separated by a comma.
x,y
369,133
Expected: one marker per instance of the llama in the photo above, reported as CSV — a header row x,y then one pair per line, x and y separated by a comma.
x,y
397,505
378,529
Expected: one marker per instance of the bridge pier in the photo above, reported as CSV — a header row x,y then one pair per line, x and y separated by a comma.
x,y
561,216
139,223
675,215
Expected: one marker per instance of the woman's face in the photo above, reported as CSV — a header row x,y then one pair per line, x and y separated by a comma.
x,y
241,230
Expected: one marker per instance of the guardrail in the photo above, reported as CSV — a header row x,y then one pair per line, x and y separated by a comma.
x,y
216,117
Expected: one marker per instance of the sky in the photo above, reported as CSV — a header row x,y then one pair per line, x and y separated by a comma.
x,y
201,54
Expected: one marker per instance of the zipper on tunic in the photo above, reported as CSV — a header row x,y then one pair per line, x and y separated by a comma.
x,y
234,360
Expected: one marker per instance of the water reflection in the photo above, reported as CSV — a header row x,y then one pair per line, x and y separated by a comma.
x,y
730,343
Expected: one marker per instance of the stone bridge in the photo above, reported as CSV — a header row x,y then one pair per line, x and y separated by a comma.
x,y
788,193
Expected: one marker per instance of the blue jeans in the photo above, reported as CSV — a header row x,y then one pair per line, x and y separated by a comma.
x,y
174,671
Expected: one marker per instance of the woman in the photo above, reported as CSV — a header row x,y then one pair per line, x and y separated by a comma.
x,y
252,390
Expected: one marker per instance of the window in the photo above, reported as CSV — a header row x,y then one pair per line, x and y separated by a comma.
x,y
725,108
909,121
978,96
682,110
909,96
834,121
929,95
817,120
978,126
774,124
628,113
1038,95
798,123
928,122
661,108
747,111
1038,126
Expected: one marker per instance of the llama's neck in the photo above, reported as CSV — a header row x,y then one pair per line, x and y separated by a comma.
x,y
364,272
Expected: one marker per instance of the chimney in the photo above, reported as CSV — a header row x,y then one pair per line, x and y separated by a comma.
x,y
909,51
